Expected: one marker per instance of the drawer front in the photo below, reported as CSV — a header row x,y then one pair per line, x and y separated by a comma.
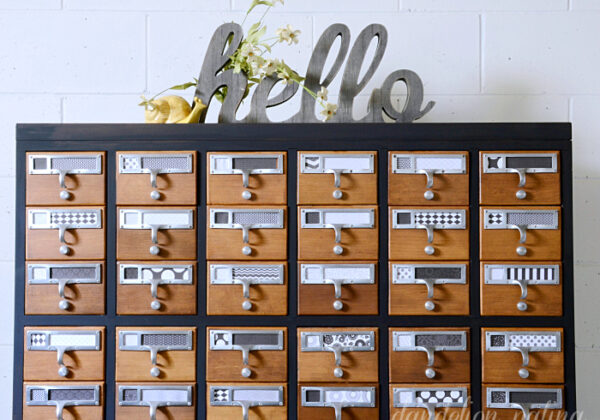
x,y
430,355
425,402
523,355
63,353
520,178
428,178
247,178
338,233
76,288
73,401
246,354
242,288
429,289
65,179
429,233
521,233
138,401
243,233
224,401
338,289
520,289
156,354
338,355
536,402
156,289
155,178
340,178
155,233
330,401
65,233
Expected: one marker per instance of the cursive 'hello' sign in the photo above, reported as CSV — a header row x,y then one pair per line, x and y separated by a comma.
x,y
211,79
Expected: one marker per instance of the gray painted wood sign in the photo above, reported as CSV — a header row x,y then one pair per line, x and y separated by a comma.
x,y
228,37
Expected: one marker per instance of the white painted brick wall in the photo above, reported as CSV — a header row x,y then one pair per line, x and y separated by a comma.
x,y
481,60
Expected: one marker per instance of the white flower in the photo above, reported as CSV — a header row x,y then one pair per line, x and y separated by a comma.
x,y
256,61
322,94
288,34
249,50
270,66
285,76
329,110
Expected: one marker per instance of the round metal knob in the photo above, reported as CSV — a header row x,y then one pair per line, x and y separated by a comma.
x,y
63,371
338,305
246,195
155,305
429,305
430,373
429,250
247,305
64,250
521,194
338,250
338,372
64,305
65,195
337,194
246,372
155,195
155,372
154,250
523,373
521,250
522,306
246,250
429,195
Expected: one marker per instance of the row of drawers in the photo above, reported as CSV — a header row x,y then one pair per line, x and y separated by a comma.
x,y
238,288
324,178
233,401
260,354
259,233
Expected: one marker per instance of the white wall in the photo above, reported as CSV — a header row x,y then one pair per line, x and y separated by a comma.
x,y
481,60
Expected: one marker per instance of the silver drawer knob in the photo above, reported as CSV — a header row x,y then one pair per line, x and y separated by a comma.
x,y
63,371
522,306
155,195
155,372
338,250
247,250
246,195
429,250
155,305
430,373
338,372
64,250
246,372
429,195
429,305
338,305
154,250
523,373
521,194
64,305
337,194
65,195
521,250
246,305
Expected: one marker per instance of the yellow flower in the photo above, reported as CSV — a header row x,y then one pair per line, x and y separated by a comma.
x,y
329,110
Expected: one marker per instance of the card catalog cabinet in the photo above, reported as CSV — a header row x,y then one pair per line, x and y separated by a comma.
x,y
315,272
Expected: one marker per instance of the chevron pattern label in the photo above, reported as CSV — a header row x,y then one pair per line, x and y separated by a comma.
x,y
342,162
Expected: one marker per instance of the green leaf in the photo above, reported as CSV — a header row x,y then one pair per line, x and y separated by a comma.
x,y
258,3
183,86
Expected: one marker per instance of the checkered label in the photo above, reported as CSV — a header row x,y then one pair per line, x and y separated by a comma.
x,y
439,219
496,218
80,218
38,340
131,163
221,394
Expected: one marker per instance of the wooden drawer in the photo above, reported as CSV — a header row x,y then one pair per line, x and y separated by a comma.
x,y
535,402
78,400
154,233
335,401
428,178
338,355
246,233
75,288
514,288
338,289
247,178
138,401
429,289
523,233
242,288
343,178
520,178
522,355
338,233
65,233
430,355
156,354
79,352
156,178
224,401
429,233
65,178
246,354
425,402
156,289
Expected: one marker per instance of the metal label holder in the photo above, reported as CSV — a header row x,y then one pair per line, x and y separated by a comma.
x,y
132,340
428,165
62,341
245,396
146,396
338,398
501,398
414,398
43,394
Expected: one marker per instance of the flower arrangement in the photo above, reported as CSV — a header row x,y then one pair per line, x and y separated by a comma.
x,y
253,58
